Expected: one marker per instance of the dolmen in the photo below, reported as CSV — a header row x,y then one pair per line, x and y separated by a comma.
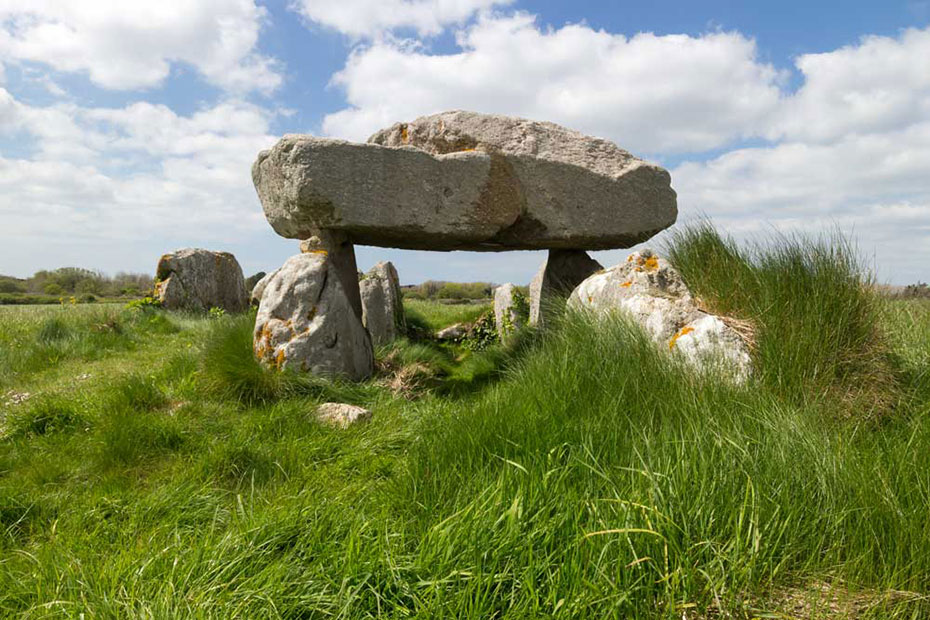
x,y
463,181
198,280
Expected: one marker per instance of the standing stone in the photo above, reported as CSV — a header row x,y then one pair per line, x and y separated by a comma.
x,y
305,322
510,310
465,181
252,280
382,304
648,289
558,276
197,280
341,255
259,289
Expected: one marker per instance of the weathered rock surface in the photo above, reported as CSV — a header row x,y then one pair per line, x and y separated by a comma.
x,y
197,280
650,290
253,279
510,310
341,415
255,297
557,277
382,304
306,322
341,255
465,181
452,333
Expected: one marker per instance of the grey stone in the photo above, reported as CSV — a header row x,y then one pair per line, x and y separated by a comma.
x,y
648,289
341,254
342,415
453,333
510,310
465,181
382,304
258,290
196,280
305,322
253,279
557,277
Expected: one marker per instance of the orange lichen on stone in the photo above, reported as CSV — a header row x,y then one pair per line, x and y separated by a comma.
x,y
681,332
652,263
320,252
590,299
311,314
404,137
627,284
280,358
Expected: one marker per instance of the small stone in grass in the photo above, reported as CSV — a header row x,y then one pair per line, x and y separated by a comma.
x,y
341,415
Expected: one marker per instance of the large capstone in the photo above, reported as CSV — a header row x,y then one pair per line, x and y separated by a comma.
x,y
465,181
306,322
198,280
382,304
557,277
649,290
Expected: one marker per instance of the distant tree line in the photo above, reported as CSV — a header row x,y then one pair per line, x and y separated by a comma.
x,y
76,281
437,289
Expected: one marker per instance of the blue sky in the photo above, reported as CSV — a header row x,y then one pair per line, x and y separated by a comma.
x,y
127,130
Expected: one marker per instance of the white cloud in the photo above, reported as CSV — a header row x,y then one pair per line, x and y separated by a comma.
x,y
850,148
855,154
880,85
131,45
649,93
120,177
370,18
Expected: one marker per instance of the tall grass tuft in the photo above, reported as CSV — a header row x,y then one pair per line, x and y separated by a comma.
x,y
616,482
813,308
229,370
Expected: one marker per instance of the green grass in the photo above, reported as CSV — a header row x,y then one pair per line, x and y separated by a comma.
x,y
433,316
578,473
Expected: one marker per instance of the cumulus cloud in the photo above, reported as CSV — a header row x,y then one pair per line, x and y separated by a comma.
x,y
132,45
854,153
370,18
880,85
118,177
649,93
849,148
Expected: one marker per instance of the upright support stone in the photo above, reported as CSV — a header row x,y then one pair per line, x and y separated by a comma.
x,y
341,255
557,277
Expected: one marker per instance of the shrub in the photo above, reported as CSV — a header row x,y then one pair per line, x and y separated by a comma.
x,y
144,304
482,334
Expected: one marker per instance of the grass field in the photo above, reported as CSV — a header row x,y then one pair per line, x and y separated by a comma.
x,y
155,470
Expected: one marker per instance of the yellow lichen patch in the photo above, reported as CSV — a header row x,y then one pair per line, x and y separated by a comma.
x,y
404,137
652,263
627,284
681,332
590,299
629,258
280,358
320,252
